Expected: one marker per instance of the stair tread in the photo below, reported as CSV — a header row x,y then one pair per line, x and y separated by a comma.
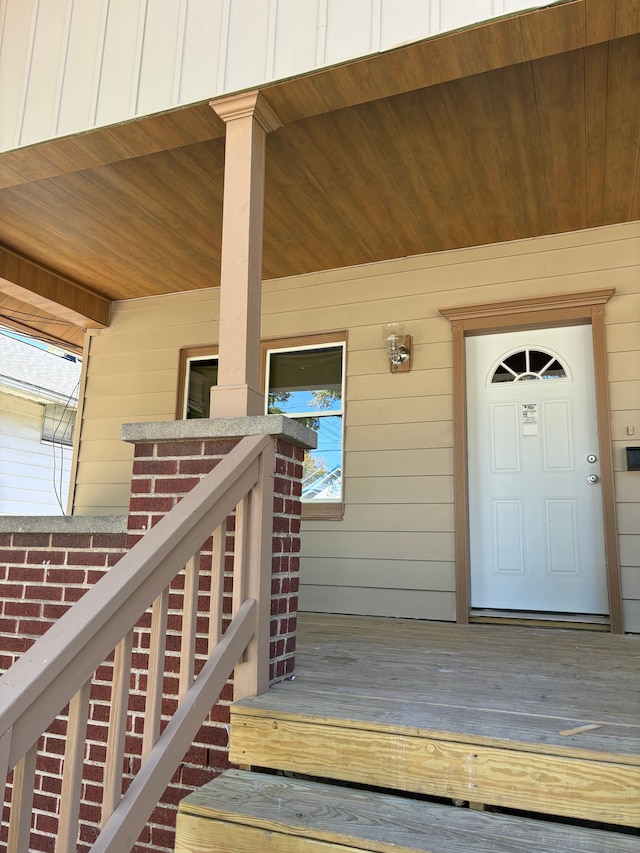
x,y
509,775
609,740
371,821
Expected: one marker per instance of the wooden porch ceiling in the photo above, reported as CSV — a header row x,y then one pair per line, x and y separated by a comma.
x,y
525,126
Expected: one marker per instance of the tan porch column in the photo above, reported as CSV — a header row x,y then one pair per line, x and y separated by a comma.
x,y
248,119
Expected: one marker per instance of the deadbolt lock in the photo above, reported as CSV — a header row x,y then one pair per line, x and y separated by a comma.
x,y
592,458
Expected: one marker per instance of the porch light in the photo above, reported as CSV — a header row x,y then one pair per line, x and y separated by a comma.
x,y
398,347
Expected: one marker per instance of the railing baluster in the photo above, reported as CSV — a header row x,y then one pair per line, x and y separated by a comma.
x,y
243,520
117,727
72,770
217,586
251,676
189,624
155,680
22,802
5,746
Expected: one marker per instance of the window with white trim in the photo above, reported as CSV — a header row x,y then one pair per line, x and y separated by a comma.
x,y
305,379
197,374
306,383
58,424
203,375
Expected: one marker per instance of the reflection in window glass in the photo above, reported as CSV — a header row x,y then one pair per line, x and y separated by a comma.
x,y
306,384
528,365
58,424
203,375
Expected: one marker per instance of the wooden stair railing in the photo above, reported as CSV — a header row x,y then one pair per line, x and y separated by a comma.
x,y
57,670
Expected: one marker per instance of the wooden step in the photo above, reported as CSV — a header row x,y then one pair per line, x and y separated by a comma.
x,y
521,761
243,812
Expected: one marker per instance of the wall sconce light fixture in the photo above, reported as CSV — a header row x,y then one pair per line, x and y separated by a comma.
x,y
398,347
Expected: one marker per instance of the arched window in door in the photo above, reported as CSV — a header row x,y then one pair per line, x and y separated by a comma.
x,y
529,365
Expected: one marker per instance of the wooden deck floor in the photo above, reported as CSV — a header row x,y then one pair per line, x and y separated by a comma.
x,y
536,730
538,720
530,685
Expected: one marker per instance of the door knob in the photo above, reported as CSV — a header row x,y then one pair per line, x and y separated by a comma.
x,y
592,478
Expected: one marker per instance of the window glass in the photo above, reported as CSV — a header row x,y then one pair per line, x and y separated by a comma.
x,y
202,376
528,365
58,424
306,384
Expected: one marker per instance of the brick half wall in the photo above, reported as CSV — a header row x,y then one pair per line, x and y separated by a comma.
x,y
43,572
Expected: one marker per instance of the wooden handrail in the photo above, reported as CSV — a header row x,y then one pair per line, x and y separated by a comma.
x,y
61,664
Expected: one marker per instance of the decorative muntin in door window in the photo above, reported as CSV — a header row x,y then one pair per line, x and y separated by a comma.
x,y
529,365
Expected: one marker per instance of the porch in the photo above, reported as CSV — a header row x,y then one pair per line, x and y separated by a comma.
x,y
535,720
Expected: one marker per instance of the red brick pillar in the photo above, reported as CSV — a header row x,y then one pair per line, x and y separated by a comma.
x,y
171,458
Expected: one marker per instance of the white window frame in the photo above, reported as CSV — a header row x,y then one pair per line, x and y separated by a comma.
x,y
333,510
57,413
329,509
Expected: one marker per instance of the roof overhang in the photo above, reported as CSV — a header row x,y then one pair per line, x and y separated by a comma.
x,y
523,126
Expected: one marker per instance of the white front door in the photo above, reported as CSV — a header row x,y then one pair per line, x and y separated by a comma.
x,y
535,504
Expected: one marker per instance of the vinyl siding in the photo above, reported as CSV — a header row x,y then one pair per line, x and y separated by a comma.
x,y
392,554
31,472
67,66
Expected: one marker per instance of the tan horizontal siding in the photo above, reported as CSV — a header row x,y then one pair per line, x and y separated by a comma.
x,y
399,490
399,465
106,429
152,311
630,550
625,395
118,363
362,601
629,518
101,499
134,341
416,517
400,436
623,338
631,584
425,383
144,383
155,406
631,614
625,366
407,410
379,545
405,463
626,482
406,574
112,472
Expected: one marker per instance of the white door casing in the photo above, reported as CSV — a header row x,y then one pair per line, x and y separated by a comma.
x,y
535,521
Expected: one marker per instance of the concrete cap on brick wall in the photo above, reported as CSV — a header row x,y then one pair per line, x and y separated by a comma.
x,y
63,524
207,428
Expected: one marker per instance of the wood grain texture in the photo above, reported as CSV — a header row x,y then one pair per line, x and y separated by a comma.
x,y
517,128
470,712
244,812
570,787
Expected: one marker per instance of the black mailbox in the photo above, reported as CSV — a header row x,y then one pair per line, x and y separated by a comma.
x,y
633,458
